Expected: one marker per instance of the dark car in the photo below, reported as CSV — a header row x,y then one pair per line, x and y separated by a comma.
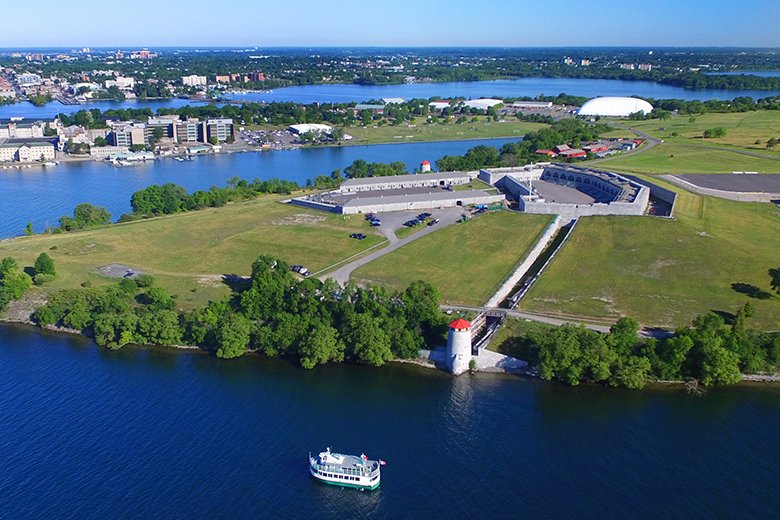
x,y
433,222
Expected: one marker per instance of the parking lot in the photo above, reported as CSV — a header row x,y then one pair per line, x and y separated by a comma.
x,y
393,221
275,139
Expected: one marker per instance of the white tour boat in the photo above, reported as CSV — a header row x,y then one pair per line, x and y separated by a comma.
x,y
345,470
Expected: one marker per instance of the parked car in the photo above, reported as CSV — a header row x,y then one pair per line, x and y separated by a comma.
x,y
433,222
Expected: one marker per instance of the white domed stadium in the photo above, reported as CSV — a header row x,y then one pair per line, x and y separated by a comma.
x,y
614,106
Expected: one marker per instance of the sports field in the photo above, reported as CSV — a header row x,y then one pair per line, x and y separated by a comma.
x,y
466,262
713,257
189,252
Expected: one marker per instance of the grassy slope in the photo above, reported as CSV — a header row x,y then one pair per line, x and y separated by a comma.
x,y
187,252
688,152
665,272
440,132
466,262
682,158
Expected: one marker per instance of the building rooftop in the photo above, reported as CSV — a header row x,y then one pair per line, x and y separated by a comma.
x,y
460,324
406,178
380,197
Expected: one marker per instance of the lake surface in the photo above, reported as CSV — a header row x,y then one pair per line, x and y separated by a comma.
x,y
137,433
499,88
41,195
50,110
759,73
470,89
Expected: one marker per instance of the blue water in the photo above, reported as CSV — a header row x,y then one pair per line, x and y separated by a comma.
x,y
759,73
42,195
50,110
157,434
498,88
473,89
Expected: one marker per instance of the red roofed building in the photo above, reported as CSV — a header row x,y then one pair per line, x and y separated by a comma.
x,y
561,148
460,324
573,152
425,166
548,153
595,148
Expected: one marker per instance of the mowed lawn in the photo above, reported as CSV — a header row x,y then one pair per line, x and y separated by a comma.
x,y
686,151
686,158
743,129
483,129
666,272
189,252
466,262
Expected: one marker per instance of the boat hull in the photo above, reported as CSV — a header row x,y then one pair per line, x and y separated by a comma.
x,y
337,482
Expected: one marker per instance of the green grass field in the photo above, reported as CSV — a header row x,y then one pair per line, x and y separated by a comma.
x,y
189,252
422,132
665,272
686,158
742,128
686,151
466,262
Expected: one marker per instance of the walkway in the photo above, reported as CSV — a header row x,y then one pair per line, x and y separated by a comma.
x,y
541,318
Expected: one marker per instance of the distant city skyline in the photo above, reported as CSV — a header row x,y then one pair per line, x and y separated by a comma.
x,y
396,23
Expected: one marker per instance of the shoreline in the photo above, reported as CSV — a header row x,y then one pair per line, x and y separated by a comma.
x,y
530,373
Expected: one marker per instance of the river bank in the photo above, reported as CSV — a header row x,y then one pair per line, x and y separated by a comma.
x,y
20,311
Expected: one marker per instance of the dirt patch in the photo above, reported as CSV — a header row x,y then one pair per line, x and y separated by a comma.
x,y
211,280
21,310
298,219
119,271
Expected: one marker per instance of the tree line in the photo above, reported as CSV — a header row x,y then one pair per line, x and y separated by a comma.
x,y
522,152
709,351
272,312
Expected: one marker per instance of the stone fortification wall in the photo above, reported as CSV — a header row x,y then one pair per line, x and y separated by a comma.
x,y
506,288
421,204
511,181
668,196
494,176
584,210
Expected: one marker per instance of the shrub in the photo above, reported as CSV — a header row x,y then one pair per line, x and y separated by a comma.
x,y
42,278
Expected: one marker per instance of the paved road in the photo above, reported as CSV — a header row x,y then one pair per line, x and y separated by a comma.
x,y
391,222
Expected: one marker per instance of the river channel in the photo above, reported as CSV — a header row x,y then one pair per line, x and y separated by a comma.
x,y
89,433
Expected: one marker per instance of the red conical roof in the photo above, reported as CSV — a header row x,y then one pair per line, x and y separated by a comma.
x,y
460,324
425,162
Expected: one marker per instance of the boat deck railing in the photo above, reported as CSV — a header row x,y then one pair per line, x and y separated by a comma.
x,y
370,471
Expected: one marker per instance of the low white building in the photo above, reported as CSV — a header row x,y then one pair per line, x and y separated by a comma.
x,y
310,127
100,153
483,104
121,82
439,105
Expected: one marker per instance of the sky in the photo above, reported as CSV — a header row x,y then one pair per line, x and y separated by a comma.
x,y
407,23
